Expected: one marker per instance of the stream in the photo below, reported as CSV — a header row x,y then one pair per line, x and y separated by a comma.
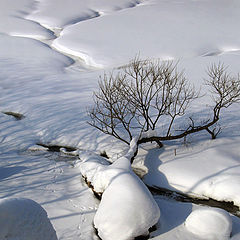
x,y
181,197
54,153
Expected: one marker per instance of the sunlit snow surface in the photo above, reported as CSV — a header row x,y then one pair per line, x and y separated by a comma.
x,y
52,92
155,29
210,223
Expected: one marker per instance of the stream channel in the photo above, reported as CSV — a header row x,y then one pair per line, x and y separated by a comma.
x,y
54,153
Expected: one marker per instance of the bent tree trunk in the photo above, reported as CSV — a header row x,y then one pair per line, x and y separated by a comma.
x,y
159,139
139,96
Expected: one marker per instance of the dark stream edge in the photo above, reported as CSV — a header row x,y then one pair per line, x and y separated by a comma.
x,y
181,197
159,191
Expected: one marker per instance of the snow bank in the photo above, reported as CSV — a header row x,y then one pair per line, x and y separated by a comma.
x,y
91,165
33,54
209,169
223,187
24,219
209,223
97,171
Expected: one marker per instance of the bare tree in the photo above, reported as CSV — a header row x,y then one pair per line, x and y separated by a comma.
x,y
225,90
137,97
145,93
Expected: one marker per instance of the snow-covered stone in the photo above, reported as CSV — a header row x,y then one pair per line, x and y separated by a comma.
x,y
127,208
24,219
90,165
210,224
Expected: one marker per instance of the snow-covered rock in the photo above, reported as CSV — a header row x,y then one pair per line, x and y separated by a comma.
x,y
210,224
24,219
90,165
127,208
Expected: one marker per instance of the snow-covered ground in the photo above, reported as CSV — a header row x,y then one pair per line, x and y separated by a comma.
x,y
51,55
22,218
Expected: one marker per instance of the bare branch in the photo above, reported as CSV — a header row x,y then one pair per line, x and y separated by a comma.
x,y
138,96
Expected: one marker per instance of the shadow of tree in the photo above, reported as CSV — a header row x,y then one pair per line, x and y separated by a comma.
x,y
56,186
6,172
173,214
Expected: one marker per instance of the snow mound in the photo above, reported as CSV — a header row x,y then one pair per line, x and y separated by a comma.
x,y
209,224
127,208
24,219
98,171
90,165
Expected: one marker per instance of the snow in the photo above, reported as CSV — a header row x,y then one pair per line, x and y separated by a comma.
x,y
97,171
155,29
57,14
24,219
90,166
53,184
127,210
217,176
44,57
209,223
13,20
172,224
52,90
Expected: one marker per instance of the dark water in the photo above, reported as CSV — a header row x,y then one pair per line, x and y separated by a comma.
x,y
180,197
54,153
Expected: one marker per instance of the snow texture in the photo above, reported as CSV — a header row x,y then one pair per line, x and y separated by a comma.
x,y
91,166
211,224
24,219
96,170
